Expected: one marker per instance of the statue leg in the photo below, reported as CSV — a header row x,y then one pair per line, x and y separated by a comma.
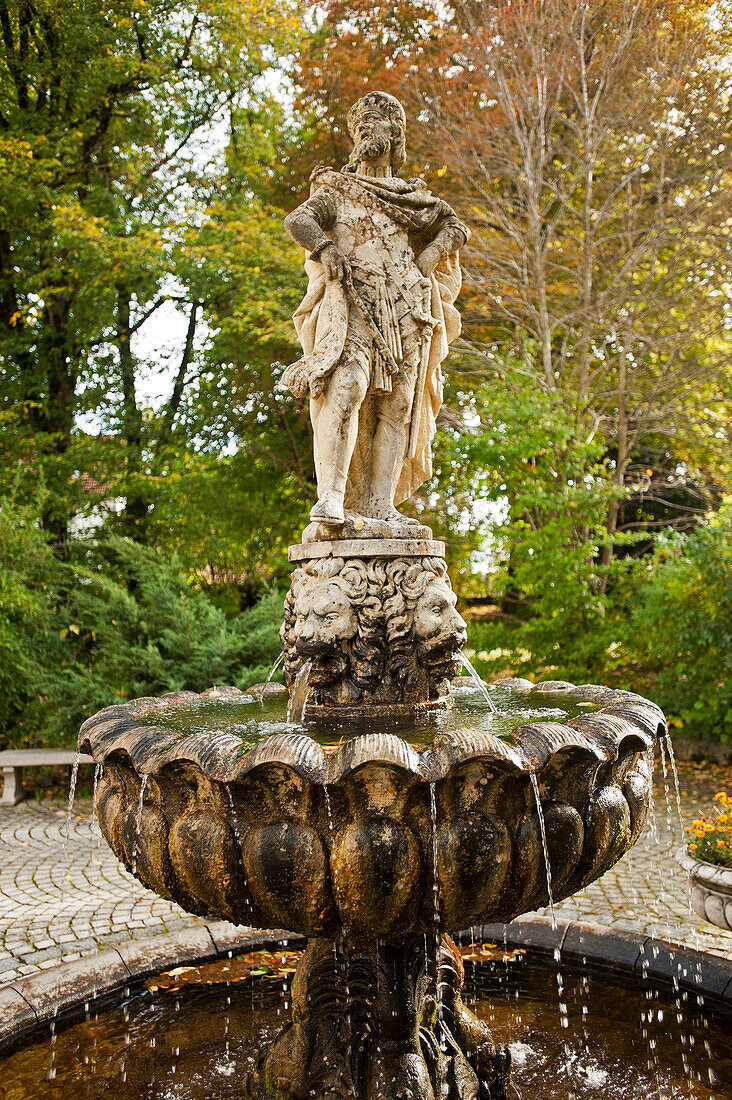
x,y
390,443
335,427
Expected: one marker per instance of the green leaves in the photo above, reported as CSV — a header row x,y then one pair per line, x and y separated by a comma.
x,y
120,621
682,626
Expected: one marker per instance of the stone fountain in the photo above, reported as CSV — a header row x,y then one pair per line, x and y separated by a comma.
x,y
374,848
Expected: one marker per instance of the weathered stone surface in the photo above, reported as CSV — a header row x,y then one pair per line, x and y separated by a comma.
x,y
710,889
368,548
142,957
16,1015
372,632
375,324
586,940
690,969
51,910
318,841
55,990
384,995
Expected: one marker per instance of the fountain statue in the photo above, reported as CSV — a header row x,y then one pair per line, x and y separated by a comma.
x,y
369,845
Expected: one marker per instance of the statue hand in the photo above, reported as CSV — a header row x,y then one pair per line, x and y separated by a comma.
x,y
334,262
428,259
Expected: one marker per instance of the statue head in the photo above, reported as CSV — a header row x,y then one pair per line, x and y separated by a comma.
x,y
377,124
324,618
439,629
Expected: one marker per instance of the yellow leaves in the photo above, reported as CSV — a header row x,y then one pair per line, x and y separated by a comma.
x,y
14,318
73,628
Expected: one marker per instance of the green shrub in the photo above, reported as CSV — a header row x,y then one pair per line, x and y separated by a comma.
x,y
30,647
682,626
120,621
545,488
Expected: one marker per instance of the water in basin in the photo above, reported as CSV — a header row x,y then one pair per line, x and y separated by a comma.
x,y
253,721
194,1045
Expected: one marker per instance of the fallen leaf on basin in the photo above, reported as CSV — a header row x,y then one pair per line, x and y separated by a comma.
x,y
489,952
256,964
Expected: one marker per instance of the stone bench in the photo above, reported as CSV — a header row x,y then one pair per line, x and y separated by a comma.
x,y
12,762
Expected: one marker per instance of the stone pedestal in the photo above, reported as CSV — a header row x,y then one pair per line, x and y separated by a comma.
x,y
366,1023
371,625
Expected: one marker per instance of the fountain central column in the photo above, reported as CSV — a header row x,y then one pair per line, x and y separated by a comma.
x,y
367,1025
371,625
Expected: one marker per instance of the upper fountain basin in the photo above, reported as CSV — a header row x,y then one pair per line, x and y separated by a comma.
x,y
291,833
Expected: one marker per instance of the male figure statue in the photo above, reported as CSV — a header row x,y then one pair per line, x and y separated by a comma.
x,y
376,321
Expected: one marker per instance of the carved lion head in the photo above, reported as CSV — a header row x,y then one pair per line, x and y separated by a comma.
x,y
439,629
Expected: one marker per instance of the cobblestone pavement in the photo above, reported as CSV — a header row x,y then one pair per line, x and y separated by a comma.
x,y
55,909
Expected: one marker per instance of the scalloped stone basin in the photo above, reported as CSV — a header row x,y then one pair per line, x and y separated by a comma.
x,y
318,838
374,847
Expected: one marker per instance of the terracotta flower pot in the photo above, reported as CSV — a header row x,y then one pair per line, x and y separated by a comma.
x,y
711,889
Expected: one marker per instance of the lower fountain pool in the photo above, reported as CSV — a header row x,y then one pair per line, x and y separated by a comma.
x,y
198,1039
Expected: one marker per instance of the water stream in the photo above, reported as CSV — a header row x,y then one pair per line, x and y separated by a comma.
x,y
96,832
278,663
672,758
436,902
472,672
70,807
299,694
545,847
138,823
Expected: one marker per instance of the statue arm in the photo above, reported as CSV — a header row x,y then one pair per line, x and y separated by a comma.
x,y
450,237
307,224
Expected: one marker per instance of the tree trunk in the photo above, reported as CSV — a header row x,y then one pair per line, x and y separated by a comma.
x,y
137,506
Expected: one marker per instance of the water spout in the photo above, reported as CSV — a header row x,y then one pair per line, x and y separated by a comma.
x,y
299,694
474,676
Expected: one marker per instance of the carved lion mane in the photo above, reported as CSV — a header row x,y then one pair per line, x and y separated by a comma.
x,y
383,595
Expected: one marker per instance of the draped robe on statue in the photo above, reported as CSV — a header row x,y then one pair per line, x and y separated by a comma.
x,y
380,225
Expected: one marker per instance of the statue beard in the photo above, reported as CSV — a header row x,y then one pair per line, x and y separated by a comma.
x,y
371,147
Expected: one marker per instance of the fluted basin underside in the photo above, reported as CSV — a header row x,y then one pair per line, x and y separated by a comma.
x,y
375,850
319,839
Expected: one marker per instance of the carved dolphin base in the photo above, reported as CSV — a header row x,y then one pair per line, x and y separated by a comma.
x,y
373,626
366,1025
